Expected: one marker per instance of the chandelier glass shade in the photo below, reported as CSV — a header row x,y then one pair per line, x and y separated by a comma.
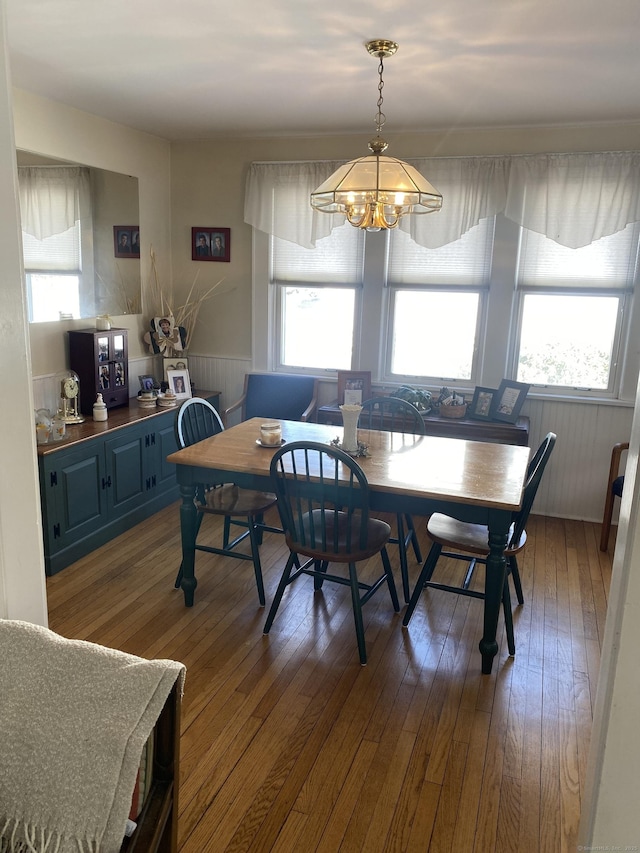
x,y
374,192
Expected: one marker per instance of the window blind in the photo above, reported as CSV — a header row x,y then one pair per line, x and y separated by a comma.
x,y
58,253
609,263
465,262
336,260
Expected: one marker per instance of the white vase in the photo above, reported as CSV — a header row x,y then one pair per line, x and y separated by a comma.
x,y
350,415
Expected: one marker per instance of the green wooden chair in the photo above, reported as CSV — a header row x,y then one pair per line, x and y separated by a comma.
x,y
323,501
472,541
391,414
245,508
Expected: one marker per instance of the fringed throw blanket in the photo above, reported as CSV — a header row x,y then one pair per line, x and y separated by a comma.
x,y
74,718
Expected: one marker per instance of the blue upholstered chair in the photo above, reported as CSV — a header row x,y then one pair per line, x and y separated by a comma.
x,y
277,396
614,490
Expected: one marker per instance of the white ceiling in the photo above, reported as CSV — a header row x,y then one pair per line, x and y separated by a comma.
x,y
189,69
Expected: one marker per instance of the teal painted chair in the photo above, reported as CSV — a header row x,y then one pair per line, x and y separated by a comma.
x,y
472,541
245,508
391,414
323,501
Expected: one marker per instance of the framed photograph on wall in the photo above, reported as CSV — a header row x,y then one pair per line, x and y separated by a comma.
x,y
508,400
480,408
126,241
210,244
179,383
354,386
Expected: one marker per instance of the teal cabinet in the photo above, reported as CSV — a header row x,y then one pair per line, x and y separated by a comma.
x,y
105,479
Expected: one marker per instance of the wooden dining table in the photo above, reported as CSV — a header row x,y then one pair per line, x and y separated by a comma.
x,y
470,480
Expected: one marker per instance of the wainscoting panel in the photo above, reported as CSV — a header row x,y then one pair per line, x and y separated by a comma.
x,y
219,374
574,483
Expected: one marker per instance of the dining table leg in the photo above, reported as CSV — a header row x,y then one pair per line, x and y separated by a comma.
x,y
495,575
188,531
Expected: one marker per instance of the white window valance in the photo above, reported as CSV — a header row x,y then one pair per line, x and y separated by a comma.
x,y
573,199
52,198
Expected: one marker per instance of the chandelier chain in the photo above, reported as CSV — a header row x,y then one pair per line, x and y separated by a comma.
x,y
380,116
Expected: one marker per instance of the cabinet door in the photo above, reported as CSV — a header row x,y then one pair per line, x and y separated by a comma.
x,y
125,470
166,443
75,487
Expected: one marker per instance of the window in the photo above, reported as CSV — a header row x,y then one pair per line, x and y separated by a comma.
x,y
317,300
571,310
53,274
500,301
54,201
436,301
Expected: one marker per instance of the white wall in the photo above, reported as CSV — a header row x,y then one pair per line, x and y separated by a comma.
x,y
58,131
22,593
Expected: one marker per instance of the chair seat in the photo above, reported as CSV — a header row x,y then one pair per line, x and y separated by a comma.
x,y
232,500
463,536
617,485
320,527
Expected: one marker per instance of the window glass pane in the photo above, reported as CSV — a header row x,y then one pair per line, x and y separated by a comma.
x,y
434,333
53,297
317,327
568,340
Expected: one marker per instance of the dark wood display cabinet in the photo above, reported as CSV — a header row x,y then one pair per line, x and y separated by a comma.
x,y
100,360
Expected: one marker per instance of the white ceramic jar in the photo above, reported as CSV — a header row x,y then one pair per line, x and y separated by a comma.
x,y
100,409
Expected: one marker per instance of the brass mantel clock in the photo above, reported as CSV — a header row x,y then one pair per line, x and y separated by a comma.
x,y
69,407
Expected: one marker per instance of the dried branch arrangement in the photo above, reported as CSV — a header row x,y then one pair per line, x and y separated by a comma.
x,y
185,315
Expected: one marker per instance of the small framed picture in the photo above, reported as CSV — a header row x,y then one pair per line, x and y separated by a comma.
x,y
508,400
354,386
126,241
210,244
146,382
179,383
480,408
176,362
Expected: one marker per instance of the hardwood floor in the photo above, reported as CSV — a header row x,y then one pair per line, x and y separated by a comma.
x,y
288,744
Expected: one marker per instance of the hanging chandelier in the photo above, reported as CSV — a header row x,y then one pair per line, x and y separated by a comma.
x,y
374,191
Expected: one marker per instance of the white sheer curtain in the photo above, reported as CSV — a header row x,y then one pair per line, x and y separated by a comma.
x,y
52,198
473,188
575,199
572,198
270,183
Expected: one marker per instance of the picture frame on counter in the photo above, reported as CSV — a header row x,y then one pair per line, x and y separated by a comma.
x,y
481,404
354,387
179,383
508,400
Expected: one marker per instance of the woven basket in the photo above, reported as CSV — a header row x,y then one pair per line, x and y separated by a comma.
x,y
453,411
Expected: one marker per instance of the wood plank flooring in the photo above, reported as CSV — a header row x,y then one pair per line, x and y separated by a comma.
x,y
288,744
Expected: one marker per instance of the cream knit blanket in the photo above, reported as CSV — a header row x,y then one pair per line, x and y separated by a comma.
x,y
74,718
